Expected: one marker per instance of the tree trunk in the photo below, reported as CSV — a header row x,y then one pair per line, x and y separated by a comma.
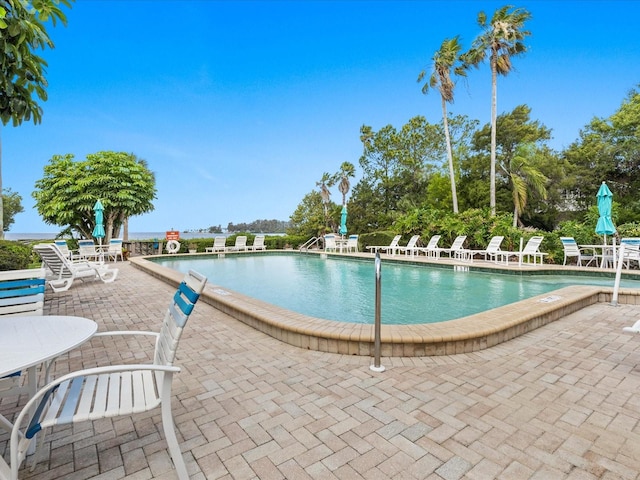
x,y
447,137
494,108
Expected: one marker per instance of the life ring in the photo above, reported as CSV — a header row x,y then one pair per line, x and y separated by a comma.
x,y
173,246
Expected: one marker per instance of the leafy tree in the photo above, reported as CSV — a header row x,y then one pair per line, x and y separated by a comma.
x,y
12,202
309,219
444,61
502,38
513,130
65,196
609,149
22,71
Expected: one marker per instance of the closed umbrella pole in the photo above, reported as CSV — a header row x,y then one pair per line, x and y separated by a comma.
x,y
343,221
98,229
605,225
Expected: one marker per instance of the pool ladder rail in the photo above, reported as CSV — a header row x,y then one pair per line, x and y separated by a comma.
x,y
310,243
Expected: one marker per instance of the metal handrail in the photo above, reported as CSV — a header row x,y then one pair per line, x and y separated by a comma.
x,y
309,243
377,343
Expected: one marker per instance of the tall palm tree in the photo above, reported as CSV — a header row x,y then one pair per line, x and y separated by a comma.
x,y
502,38
346,170
523,176
444,61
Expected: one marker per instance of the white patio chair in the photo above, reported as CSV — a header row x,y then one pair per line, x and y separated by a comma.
x,y
571,249
239,245
529,252
258,243
61,272
391,248
64,248
115,249
432,250
21,293
352,244
330,244
489,253
411,248
219,245
87,250
110,391
455,249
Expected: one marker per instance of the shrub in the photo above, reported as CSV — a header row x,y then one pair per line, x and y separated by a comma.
x,y
14,255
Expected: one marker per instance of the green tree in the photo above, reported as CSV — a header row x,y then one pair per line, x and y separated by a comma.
x,y
444,61
524,176
12,202
502,39
65,196
22,71
308,219
609,149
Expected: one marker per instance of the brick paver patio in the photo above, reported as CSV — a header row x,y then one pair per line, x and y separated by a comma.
x,y
561,402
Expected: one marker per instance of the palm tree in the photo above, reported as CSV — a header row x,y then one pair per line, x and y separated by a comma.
x,y
523,176
502,39
324,184
444,60
346,170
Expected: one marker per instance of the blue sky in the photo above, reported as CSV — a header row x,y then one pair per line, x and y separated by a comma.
x,y
239,107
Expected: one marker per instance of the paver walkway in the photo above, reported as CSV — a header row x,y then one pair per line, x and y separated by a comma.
x,y
562,402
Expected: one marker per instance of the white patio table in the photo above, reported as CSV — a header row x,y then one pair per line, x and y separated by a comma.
x,y
29,341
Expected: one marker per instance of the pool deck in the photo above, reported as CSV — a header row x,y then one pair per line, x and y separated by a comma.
x,y
558,402
464,335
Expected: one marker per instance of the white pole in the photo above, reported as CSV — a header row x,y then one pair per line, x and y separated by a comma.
x,y
616,284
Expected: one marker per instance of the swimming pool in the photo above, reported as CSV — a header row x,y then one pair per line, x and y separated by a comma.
x,y
339,289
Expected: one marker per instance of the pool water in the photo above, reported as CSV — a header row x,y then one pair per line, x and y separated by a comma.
x,y
344,289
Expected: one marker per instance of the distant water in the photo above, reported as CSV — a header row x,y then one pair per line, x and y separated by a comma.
x,y
132,235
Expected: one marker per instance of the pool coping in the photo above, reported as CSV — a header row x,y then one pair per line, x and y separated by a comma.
x,y
464,335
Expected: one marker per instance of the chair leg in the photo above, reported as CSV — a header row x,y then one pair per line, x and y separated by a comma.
x,y
170,433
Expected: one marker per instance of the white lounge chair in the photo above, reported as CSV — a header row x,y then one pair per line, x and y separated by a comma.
x,y
411,248
489,253
219,245
529,252
352,244
391,248
258,243
61,272
110,391
240,245
455,249
571,249
431,250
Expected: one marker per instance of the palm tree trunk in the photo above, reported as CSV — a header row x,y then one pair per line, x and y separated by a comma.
x,y
447,137
494,108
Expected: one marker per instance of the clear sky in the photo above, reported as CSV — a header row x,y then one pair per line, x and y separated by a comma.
x,y
239,106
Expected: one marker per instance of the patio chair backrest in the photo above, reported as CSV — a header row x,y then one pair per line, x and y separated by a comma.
x,y
458,242
241,241
433,242
533,244
87,249
395,241
63,247
177,315
22,292
570,246
494,244
413,241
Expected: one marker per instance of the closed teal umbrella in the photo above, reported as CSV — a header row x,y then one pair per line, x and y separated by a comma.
x,y
343,221
98,230
605,223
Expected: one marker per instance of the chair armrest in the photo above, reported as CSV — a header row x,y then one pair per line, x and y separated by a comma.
x,y
125,332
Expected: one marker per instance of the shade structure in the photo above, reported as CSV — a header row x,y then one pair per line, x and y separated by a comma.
x,y
98,230
605,223
343,221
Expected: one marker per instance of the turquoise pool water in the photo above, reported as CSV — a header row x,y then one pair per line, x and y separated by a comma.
x,y
344,289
